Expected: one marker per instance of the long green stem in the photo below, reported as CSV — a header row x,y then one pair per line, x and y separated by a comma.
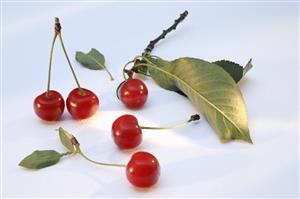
x,y
166,127
69,62
100,163
103,66
50,64
193,118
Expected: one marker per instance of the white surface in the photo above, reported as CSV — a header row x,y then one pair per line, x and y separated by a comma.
x,y
193,161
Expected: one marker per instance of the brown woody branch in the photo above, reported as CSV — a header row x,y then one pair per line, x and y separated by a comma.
x,y
152,43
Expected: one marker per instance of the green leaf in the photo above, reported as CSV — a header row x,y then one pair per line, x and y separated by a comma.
x,y
41,159
210,89
235,70
162,79
66,139
92,60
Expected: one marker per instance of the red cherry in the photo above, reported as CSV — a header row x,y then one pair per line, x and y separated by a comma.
x,y
126,132
133,93
51,107
143,169
82,106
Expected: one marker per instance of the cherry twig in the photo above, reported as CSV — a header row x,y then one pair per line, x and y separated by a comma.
x,y
152,43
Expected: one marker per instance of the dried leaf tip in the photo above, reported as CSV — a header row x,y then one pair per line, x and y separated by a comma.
x,y
247,67
74,141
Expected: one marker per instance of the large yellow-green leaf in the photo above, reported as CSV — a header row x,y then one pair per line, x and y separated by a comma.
x,y
210,88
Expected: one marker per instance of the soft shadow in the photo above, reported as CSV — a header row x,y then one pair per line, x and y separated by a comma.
x,y
246,82
204,168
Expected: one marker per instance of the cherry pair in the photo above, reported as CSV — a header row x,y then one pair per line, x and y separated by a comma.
x,y
81,103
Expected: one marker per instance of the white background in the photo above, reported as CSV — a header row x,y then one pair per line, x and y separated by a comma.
x,y
193,160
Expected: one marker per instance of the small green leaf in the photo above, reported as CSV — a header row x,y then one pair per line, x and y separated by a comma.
x,y
66,139
235,70
41,159
92,60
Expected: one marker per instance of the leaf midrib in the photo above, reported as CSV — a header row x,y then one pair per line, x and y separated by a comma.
x,y
96,61
206,100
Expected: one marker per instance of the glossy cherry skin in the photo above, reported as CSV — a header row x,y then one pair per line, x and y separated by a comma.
x,y
51,107
126,132
133,93
143,169
82,106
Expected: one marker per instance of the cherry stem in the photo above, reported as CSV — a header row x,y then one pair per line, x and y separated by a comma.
x,y
125,71
58,31
69,62
66,153
118,88
100,163
192,118
110,75
50,64
134,69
